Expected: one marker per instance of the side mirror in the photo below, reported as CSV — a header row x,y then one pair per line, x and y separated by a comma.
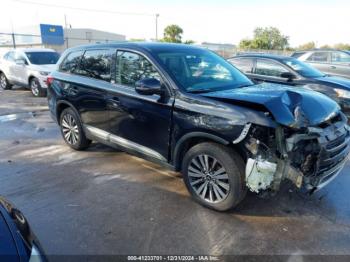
x,y
20,62
148,87
288,75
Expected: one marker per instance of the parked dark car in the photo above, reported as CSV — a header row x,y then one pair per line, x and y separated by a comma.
x,y
192,111
329,61
17,241
290,71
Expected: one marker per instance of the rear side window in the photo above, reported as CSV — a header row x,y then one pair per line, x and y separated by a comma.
x,y
243,64
269,68
96,64
318,57
132,67
71,62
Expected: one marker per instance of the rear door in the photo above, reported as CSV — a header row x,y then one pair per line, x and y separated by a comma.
x,y
139,122
85,85
8,66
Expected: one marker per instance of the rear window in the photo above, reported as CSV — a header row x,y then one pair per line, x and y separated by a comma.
x,y
243,64
71,62
96,64
43,58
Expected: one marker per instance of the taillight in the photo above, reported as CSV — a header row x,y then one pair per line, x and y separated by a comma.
x,y
49,80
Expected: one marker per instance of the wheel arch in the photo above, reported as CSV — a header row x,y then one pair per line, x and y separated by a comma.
x,y
62,105
189,140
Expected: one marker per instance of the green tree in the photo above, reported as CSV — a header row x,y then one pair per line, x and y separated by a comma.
x,y
307,46
172,34
189,42
342,46
268,38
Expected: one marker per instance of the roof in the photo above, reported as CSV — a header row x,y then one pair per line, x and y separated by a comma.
x,y
268,56
34,50
148,46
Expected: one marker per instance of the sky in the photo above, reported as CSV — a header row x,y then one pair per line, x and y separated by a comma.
x,y
217,21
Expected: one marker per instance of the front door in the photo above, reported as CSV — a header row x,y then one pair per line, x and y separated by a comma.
x,y
139,122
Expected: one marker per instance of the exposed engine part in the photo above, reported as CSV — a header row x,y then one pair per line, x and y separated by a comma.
x,y
259,174
243,134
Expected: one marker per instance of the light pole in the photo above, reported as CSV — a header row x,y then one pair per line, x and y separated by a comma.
x,y
157,15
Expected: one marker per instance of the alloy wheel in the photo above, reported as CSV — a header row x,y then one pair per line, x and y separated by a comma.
x,y
70,129
34,86
3,81
208,178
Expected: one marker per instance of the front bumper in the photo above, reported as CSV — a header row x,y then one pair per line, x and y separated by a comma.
x,y
334,141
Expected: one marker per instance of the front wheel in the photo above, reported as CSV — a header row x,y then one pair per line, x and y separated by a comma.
x,y
4,83
72,130
214,175
36,88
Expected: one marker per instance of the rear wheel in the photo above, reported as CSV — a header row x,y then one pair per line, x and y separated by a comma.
x,y
214,175
72,131
36,88
4,83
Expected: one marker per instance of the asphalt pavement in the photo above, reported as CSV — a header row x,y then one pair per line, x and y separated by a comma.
x,y
102,201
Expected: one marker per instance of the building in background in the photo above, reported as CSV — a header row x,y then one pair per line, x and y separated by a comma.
x,y
55,37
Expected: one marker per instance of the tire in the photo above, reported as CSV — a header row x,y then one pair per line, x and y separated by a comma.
x,y
4,83
36,88
224,180
72,130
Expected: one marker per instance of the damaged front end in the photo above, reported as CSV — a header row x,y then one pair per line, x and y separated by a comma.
x,y
310,156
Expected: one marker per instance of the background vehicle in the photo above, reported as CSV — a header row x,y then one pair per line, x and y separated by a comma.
x,y
18,243
290,71
189,109
27,67
333,62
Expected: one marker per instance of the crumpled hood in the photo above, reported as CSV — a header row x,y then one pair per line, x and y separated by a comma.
x,y
45,68
290,106
337,82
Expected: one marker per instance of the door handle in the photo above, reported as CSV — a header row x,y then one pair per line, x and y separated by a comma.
x,y
114,102
73,90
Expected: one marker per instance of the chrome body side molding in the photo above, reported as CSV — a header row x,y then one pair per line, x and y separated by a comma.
x,y
117,140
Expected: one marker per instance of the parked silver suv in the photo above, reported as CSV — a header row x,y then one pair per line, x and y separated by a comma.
x,y
332,62
27,67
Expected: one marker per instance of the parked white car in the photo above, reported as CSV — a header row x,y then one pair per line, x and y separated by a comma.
x,y
27,67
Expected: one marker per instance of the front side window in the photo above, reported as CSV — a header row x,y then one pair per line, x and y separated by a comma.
x,y
71,62
243,64
199,70
319,57
132,67
269,68
303,68
43,58
340,57
96,64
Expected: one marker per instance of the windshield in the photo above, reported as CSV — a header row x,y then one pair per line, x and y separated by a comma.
x,y
303,68
42,58
199,70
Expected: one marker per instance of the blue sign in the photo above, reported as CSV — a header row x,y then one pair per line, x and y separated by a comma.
x,y
52,34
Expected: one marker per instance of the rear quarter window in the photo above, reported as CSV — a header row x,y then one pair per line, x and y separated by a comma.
x,y
71,62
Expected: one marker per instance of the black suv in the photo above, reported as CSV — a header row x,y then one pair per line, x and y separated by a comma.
x,y
189,109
